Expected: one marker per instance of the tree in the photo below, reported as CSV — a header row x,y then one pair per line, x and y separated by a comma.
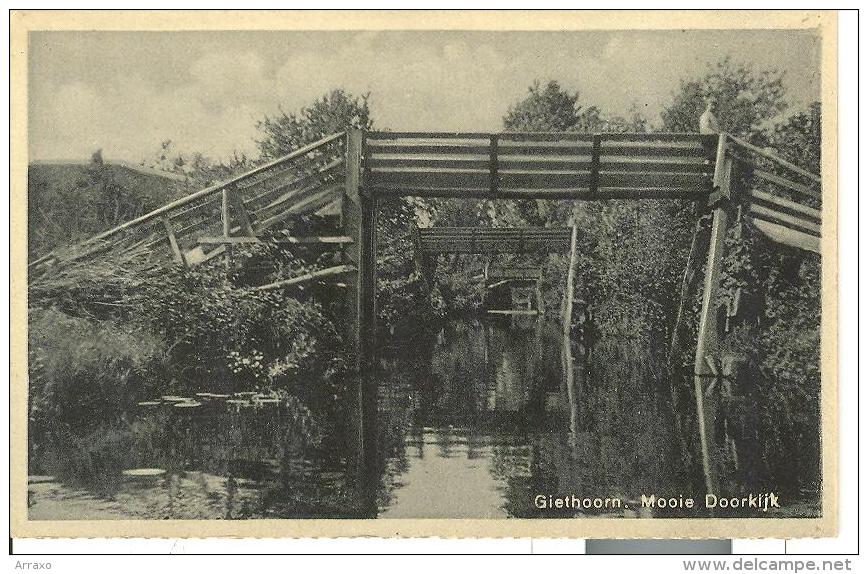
x,y
549,109
336,111
745,99
798,138
113,202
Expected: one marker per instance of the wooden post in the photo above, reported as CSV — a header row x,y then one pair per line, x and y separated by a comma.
x,y
422,260
359,222
358,218
240,210
571,274
707,337
595,165
493,176
224,213
688,286
173,242
540,302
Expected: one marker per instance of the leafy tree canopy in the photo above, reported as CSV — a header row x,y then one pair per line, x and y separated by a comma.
x,y
745,100
334,112
554,109
798,139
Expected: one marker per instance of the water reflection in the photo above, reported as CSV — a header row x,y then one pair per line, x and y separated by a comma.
x,y
484,416
471,421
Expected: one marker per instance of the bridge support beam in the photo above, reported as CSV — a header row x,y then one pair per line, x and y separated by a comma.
x,y
707,345
359,222
359,219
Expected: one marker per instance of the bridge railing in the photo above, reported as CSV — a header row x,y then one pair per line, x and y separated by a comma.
x,y
539,165
307,180
783,200
482,240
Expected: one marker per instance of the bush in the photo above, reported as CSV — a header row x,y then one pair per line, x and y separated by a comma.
x,y
84,372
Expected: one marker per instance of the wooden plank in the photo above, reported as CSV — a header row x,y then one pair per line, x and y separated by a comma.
x,y
327,239
317,200
541,135
576,193
430,177
483,247
565,148
521,179
671,165
211,203
786,236
426,148
784,182
286,200
386,136
307,277
778,160
413,162
653,150
810,212
271,195
654,179
528,312
222,240
668,137
309,203
309,167
492,232
657,192
781,218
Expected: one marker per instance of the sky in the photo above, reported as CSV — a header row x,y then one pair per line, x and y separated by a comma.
x,y
126,92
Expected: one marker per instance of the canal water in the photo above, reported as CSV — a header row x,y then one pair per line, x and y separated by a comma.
x,y
473,419
486,416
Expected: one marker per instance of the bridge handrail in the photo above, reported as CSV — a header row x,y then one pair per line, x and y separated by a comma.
x,y
210,190
774,158
216,187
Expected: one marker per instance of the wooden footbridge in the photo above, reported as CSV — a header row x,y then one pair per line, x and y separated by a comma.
x,y
343,176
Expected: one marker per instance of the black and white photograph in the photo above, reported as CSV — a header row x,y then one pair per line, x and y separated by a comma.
x,y
474,281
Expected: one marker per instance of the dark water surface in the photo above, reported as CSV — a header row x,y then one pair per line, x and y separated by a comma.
x,y
472,420
493,414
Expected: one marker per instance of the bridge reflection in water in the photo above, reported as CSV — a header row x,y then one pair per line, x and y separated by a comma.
x,y
484,416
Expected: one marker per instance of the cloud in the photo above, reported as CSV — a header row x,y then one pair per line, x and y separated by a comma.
x,y
207,92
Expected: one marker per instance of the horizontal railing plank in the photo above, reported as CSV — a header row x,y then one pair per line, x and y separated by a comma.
x,y
780,202
781,218
214,188
787,236
784,182
576,193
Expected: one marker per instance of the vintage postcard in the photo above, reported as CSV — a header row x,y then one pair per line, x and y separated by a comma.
x,y
453,274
